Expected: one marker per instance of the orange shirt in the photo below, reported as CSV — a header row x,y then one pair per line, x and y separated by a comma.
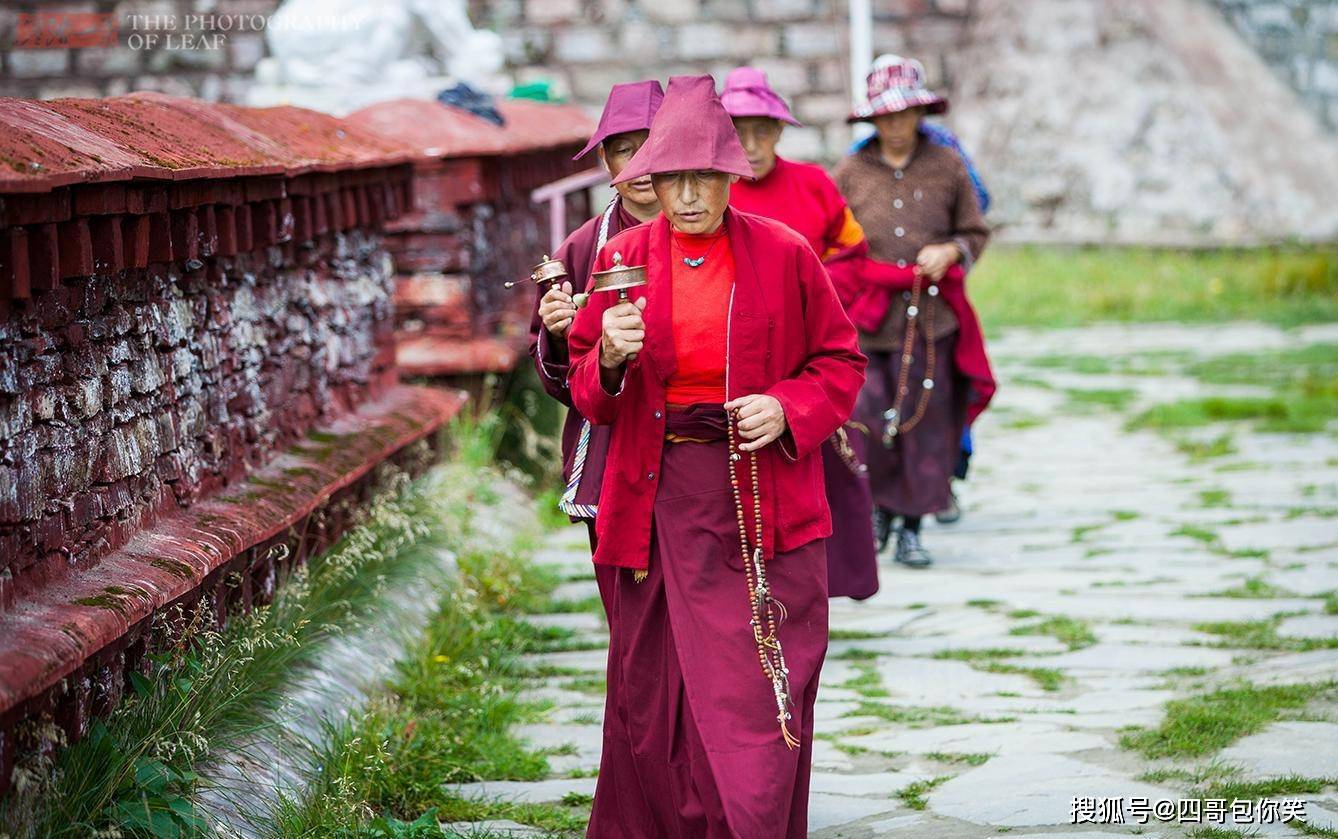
x,y
700,316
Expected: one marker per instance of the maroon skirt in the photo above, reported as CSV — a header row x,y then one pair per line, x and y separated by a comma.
x,y
692,748
914,476
852,561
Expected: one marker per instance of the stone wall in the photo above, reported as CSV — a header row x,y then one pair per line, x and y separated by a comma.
x,y
1299,40
1138,121
125,397
197,378
216,63
586,46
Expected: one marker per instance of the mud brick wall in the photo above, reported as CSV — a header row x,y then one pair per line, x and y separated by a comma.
x,y
126,396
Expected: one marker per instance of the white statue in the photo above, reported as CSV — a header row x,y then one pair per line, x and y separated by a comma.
x,y
338,55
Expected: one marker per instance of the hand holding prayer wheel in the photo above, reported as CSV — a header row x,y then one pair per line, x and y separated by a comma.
x,y
624,333
557,310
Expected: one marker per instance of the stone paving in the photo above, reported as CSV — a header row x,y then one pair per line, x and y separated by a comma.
x,y
1066,515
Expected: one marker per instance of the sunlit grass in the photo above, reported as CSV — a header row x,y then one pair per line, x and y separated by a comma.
x,y
1203,724
1049,286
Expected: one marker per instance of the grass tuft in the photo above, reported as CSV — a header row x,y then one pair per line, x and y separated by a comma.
x,y
1073,632
1203,724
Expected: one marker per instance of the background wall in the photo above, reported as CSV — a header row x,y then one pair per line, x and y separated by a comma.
x,y
215,74
1125,129
1299,40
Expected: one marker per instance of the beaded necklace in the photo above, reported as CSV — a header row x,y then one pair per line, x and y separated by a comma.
x,y
893,415
762,607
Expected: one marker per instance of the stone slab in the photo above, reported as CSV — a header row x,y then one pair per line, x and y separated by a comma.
x,y
1017,790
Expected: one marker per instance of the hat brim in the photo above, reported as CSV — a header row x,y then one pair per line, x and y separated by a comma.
x,y
746,113
600,139
932,104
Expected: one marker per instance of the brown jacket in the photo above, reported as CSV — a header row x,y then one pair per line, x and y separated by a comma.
x,y
929,201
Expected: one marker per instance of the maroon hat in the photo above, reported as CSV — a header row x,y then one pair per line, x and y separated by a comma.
x,y
747,94
690,131
630,108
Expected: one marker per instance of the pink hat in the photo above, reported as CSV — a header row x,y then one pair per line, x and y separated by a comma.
x,y
690,131
747,94
895,84
630,108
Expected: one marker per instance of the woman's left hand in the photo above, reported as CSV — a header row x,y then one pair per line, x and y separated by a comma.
x,y
761,420
935,260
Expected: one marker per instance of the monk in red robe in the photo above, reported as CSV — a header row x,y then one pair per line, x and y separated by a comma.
x,y
805,198
622,128
720,379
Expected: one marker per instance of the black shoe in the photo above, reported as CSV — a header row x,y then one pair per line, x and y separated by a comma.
x,y
882,528
910,552
950,514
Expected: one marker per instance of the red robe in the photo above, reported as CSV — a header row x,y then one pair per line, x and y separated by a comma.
x,y
577,252
789,337
691,745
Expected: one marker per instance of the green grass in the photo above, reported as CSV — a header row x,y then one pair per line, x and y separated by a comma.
x,y
1302,398
593,685
1297,413
1198,534
968,758
1215,497
916,716
1211,771
855,654
1072,632
1285,785
1253,588
854,635
979,654
550,517
1262,635
987,659
913,794
446,717
1204,724
1270,368
1114,398
866,682
136,771
1200,450
1049,286
1046,678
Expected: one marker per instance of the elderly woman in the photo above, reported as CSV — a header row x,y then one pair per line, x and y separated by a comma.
x,y
721,378
928,373
623,127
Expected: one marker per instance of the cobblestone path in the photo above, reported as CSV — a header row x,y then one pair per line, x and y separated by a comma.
x,y
1097,575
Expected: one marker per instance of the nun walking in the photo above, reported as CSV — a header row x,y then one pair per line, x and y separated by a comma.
x,y
719,378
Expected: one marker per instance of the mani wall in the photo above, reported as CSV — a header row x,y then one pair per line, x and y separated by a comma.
x,y
198,376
